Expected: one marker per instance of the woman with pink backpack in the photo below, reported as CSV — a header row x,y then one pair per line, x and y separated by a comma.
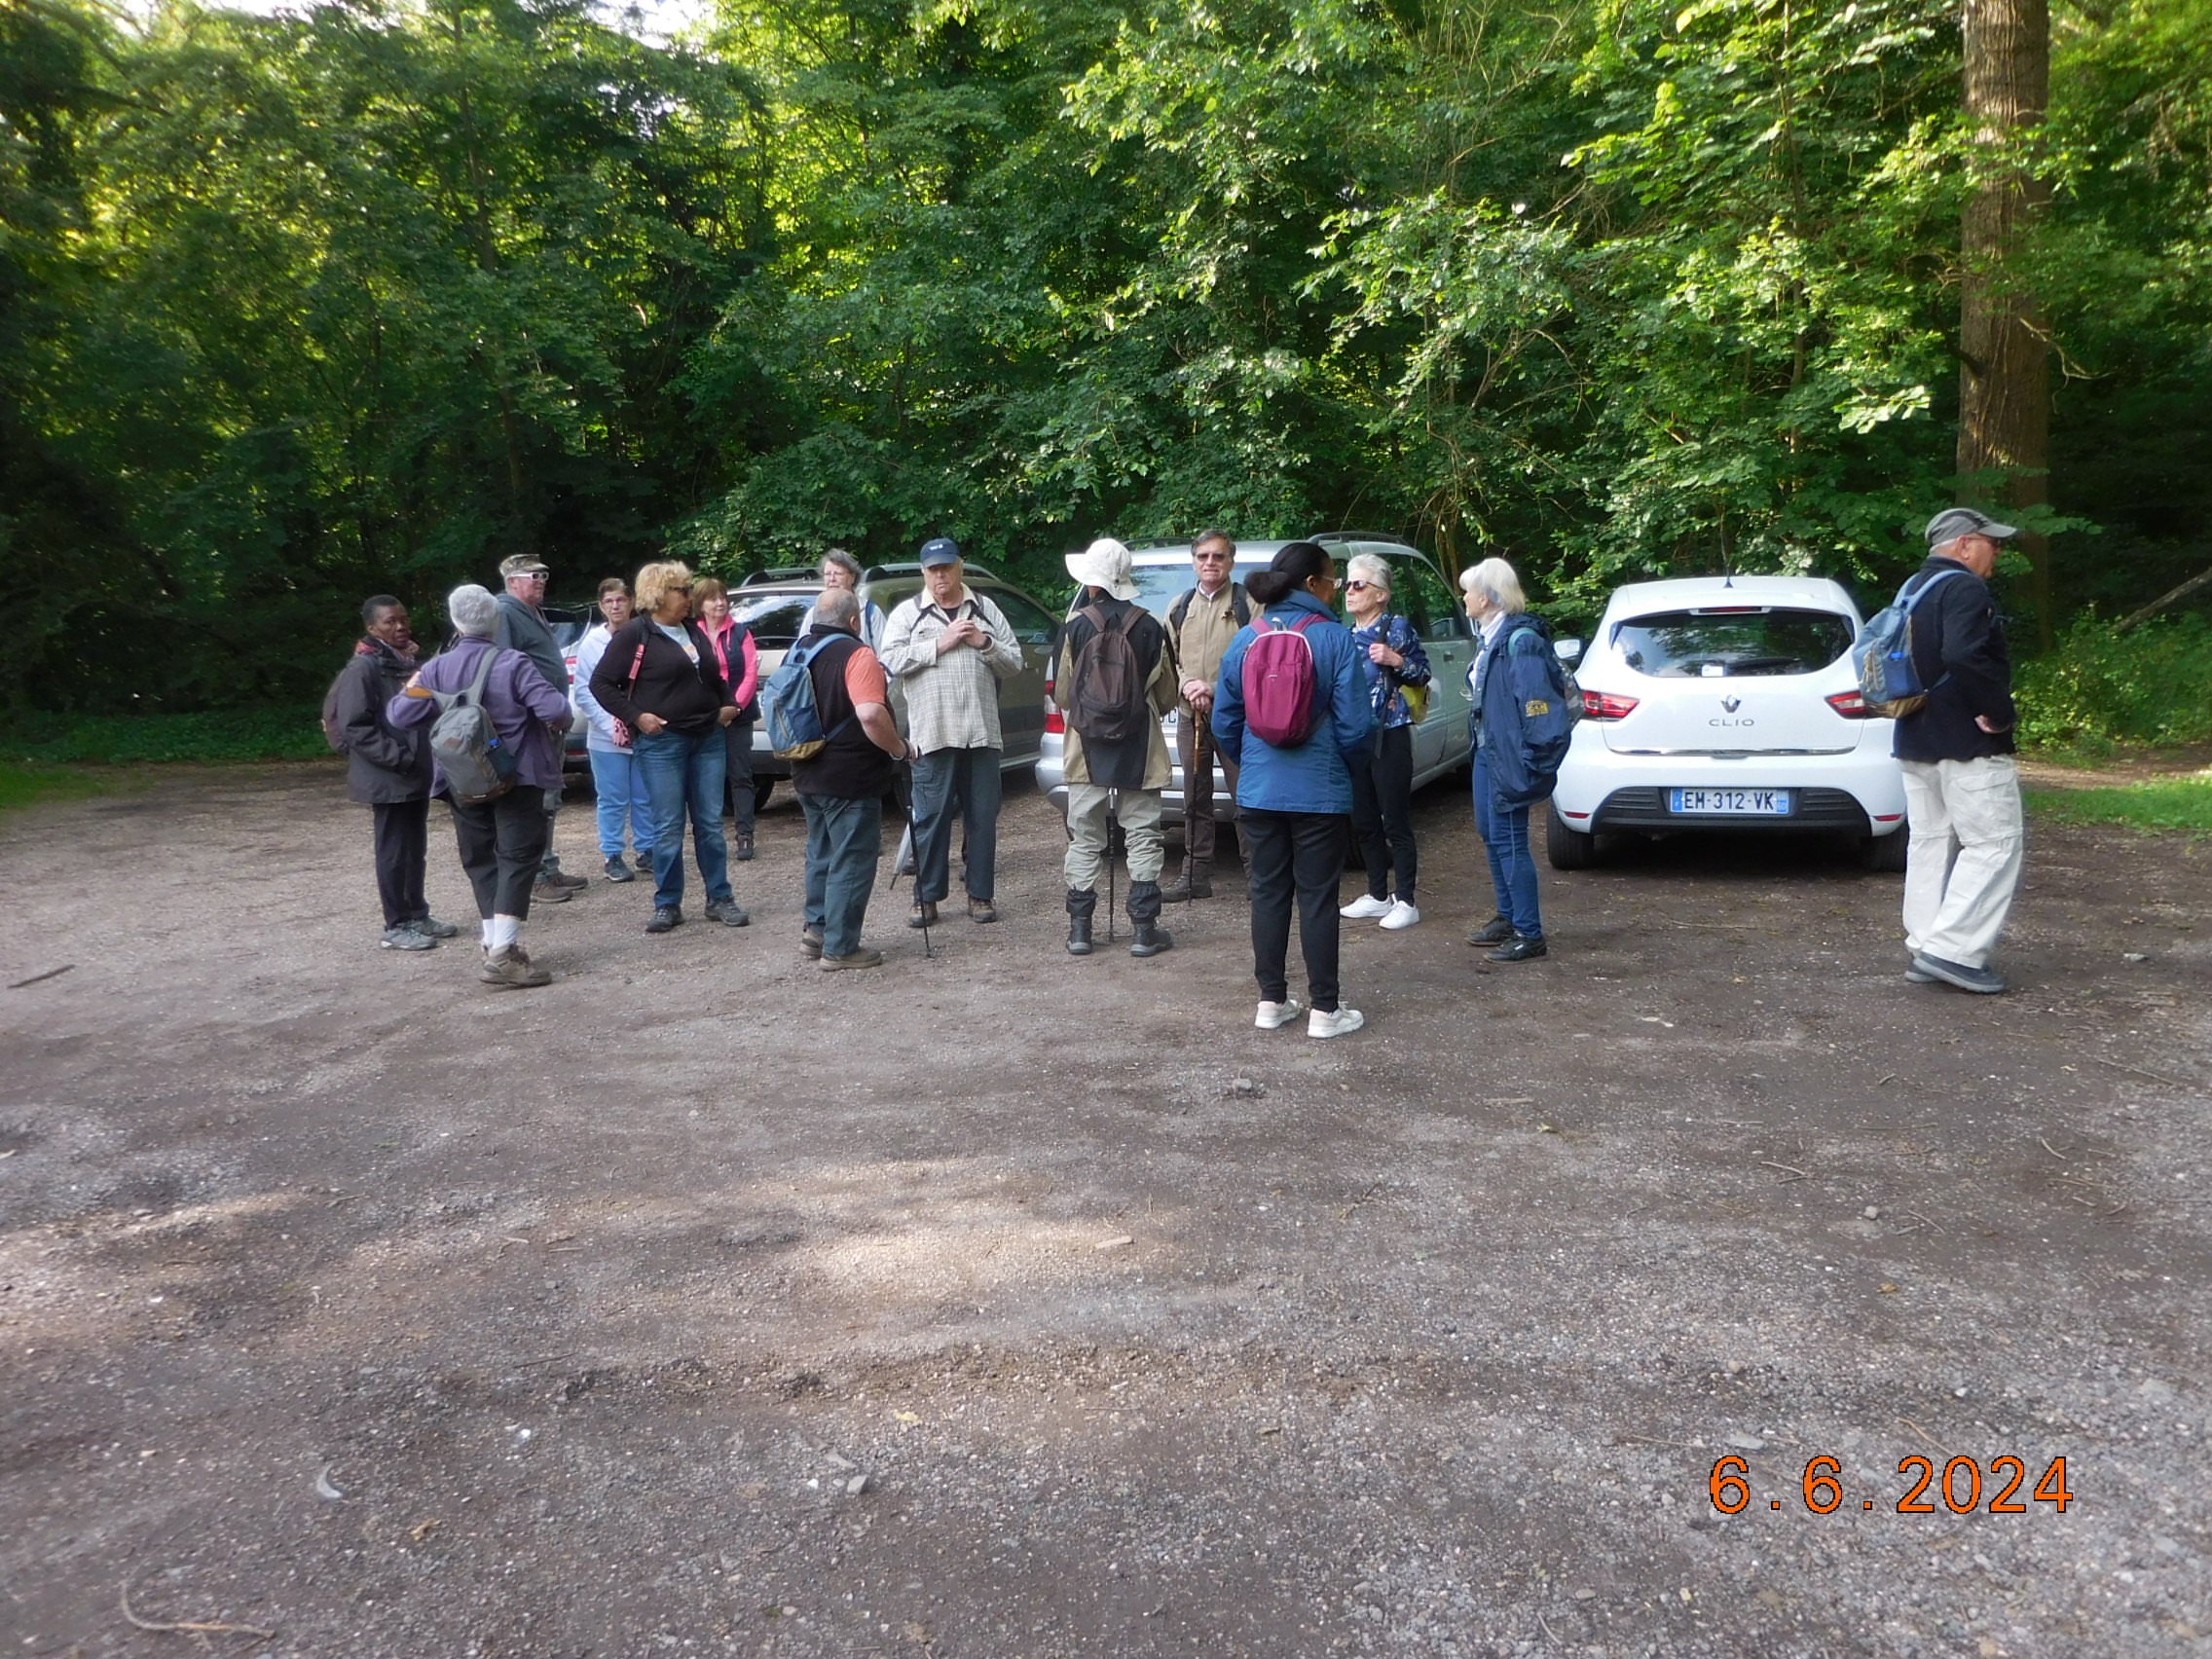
x,y
1292,707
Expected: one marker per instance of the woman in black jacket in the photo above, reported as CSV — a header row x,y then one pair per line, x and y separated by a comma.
x,y
659,676
388,771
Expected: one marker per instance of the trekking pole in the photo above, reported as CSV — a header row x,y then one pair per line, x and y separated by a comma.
x,y
1112,823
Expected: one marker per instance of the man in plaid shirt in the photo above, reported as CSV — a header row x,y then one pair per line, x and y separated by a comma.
x,y
949,648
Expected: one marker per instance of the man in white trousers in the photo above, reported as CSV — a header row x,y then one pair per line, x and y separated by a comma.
x,y
1962,787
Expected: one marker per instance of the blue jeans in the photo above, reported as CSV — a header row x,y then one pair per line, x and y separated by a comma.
x,y
844,842
621,798
684,770
946,781
1512,872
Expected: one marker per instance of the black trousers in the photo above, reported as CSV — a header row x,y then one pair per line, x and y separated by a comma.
x,y
403,847
502,842
1382,813
1294,856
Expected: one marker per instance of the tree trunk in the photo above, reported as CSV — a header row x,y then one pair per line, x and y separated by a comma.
x,y
2004,377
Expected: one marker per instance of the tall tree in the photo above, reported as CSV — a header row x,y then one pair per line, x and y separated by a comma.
x,y
2004,443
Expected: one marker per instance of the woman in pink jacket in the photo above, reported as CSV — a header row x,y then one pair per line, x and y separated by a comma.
x,y
740,663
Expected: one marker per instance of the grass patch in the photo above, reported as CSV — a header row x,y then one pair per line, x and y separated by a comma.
x,y
2180,804
222,736
20,785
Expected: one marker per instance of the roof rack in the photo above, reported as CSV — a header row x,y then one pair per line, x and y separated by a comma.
x,y
1326,536
781,573
909,568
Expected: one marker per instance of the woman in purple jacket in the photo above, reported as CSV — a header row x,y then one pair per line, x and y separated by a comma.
x,y
502,840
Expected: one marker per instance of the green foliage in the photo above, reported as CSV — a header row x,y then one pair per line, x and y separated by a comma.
x,y
25,786
363,296
287,732
2100,688
2180,804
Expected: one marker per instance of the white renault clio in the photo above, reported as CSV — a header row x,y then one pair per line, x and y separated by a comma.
x,y
1726,703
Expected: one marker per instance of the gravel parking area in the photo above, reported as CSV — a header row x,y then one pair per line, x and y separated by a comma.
x,y
1004,1304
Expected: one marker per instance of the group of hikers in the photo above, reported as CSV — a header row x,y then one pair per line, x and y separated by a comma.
x,y
1309,717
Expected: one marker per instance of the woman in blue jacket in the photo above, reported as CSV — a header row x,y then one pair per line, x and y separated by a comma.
x,y
1510,683
1290,800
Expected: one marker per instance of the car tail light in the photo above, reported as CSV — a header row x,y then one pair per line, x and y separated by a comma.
x,y
1604,706
1055,722
1851,705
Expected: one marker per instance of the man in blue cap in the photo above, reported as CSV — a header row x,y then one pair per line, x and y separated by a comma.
x,y
949,648
1962,785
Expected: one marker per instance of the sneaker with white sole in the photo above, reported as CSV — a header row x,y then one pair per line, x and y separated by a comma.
x,y
1365,908
1402,915
1335,1024
1273,1015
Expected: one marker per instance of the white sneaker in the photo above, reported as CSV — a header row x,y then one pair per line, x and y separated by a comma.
x,y
1320,1024
1275,1016
1402,915
1366,908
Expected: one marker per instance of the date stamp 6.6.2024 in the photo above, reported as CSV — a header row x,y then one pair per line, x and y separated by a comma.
x,y
1960,1487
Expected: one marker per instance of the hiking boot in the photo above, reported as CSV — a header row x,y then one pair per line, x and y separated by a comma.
x,y
1497,931
429,927
924,914
1151,939
1336,1023
726,912
1402,915
553,873
511,970
667,918
1979,980
1275,1016
405,937
1521,948
982,910
617,870
550,891
743,853
1079,936
1195,882
861,958
1365,908
810,944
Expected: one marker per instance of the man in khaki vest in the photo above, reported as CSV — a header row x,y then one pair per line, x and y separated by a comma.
x,y
1201,623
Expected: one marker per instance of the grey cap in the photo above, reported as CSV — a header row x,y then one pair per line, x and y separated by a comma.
x,y
940,550
1954,522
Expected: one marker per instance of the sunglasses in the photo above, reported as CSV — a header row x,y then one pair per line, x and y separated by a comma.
x,y
1357,587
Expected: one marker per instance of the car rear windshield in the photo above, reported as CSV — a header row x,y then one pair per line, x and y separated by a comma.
x,y
775,622
1731,641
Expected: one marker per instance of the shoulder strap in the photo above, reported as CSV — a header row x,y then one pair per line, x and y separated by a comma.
x,y
1180,611
1910,596
1130,619
1239,604
1094,616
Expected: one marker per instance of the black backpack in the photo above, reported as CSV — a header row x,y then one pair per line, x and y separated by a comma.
x,y
1106,700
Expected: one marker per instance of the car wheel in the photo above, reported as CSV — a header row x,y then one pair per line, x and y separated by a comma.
x,y
1884,855
762,788
1567,848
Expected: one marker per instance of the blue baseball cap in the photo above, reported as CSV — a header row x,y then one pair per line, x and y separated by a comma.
x,y
940,550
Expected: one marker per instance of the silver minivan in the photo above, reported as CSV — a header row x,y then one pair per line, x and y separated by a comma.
x,y
1418,592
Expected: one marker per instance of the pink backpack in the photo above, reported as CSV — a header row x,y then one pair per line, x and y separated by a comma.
x,y
1280,681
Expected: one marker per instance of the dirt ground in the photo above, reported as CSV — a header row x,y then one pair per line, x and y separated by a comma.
x,y
1005,1303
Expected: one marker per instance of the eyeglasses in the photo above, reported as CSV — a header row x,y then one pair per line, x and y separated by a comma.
x,y
680,587
1211,558
1356,586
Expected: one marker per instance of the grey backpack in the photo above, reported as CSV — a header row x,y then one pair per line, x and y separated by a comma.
x,y
478,767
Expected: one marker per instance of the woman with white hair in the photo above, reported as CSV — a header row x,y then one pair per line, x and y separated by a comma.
x,y
1512,688
1383,781
502,838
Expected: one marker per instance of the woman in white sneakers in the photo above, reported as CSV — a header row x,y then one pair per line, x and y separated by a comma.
x,y
1383,780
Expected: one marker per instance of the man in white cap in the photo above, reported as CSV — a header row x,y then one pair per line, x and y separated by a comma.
x,y
1962,787
1116,679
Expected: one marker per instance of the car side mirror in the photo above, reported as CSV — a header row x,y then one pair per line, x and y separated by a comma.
x,y
1569,651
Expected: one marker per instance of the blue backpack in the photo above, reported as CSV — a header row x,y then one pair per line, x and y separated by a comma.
x,y
1888,679
788,705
